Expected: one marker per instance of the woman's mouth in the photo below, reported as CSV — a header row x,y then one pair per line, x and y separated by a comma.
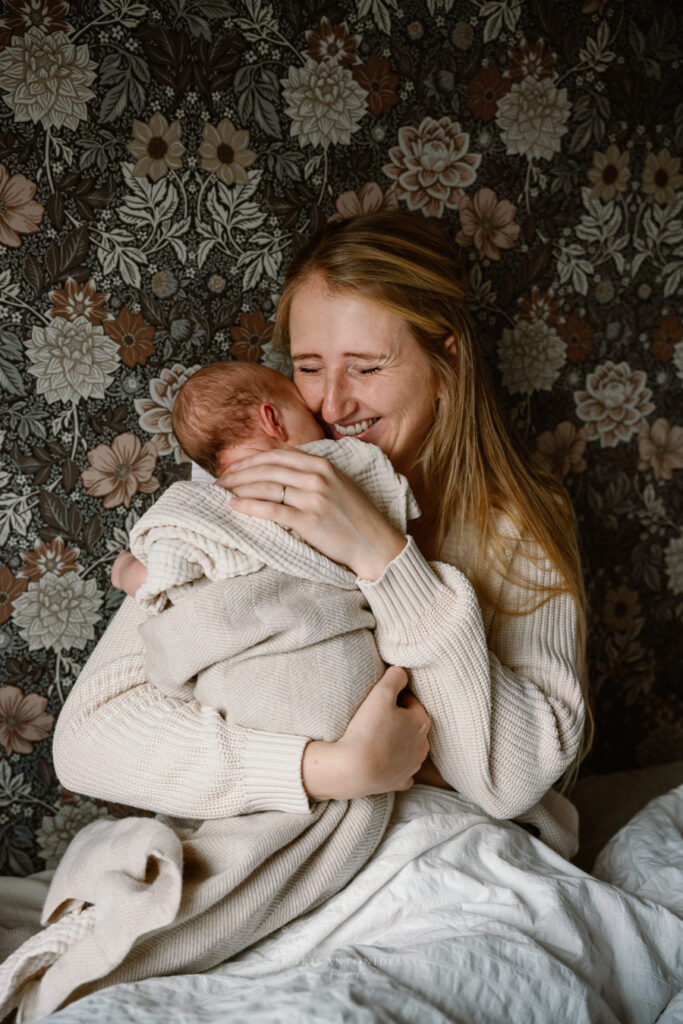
x,y
354,429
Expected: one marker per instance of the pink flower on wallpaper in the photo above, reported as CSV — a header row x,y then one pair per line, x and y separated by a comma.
x,y
660,448
368,199
614,404
155,412
20,214
560,451
119,471
431,165
23,720
488,222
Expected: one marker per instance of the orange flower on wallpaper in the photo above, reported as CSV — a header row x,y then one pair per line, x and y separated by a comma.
x,y
333,43
622,608
660,448
484,91
55,557
577,334
23,15
23,720
249,337
539,305
118,471
488,223
609,173
76,299
376,77
534,60
10,587
133,336
20,214
665,337
156,147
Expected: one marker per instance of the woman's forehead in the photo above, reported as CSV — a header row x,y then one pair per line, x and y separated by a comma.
x,y
343,322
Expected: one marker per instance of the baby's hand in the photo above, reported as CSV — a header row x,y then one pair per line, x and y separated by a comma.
x,y
127,573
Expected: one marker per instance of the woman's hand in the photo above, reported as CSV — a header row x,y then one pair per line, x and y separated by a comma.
x,y
327,509
382,749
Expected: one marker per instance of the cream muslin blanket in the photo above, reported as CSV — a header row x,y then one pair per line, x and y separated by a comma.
x,y
279,639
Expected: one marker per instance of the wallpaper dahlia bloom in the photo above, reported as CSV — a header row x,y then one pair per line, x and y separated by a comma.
x,y
161,161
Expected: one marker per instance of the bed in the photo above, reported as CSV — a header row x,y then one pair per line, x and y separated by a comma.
x,y
458,918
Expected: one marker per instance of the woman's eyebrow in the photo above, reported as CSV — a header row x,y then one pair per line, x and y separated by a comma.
x,y
373,356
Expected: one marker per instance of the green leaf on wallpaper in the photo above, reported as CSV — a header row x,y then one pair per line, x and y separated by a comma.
x,y
62,520
34,274
92,533
258,92
70,475
129,75
11,352
66,259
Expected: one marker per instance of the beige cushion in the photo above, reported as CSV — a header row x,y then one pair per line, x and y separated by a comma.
x,y
606,802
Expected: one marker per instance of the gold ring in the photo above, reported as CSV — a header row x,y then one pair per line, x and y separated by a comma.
x,y
282,496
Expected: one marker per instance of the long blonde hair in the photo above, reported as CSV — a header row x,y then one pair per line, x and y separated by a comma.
x,y
471,469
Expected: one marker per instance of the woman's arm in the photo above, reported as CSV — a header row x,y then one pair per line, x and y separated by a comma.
x,y
507,712
120,738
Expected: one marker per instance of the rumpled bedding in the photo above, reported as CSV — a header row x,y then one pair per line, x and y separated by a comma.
x,y
456,918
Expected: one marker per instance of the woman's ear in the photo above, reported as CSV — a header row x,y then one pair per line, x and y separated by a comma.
x,y
451,349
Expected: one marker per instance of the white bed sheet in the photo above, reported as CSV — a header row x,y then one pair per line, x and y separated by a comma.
x,y
456,918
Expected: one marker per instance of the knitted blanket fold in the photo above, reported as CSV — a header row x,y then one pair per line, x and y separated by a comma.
x,y
140,897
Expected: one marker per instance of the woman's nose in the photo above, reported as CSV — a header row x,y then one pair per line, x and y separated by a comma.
x,y
338,401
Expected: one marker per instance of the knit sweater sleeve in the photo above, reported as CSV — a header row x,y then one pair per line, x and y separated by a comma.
x,y
120,738
507,710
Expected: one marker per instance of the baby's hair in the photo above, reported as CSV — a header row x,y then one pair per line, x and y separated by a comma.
x,y
216,408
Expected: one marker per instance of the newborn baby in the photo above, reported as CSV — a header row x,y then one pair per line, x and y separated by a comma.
x,y
223,413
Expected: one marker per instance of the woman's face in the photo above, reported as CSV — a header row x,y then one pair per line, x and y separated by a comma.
x,y
360,371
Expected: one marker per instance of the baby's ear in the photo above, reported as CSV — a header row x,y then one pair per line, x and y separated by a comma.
x,y
272,422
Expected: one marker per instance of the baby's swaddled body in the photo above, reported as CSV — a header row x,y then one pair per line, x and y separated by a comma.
x,y
279,638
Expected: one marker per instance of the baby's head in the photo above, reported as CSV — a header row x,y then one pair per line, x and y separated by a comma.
x,y
226,407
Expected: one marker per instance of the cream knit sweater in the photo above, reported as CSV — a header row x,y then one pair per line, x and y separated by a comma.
x,y
507,716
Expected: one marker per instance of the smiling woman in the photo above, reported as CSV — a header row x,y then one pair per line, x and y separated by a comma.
x,y
373,315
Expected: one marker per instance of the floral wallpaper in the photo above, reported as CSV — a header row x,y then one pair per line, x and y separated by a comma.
x,y
161,161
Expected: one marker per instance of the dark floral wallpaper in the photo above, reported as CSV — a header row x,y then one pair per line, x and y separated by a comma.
x,y
160,161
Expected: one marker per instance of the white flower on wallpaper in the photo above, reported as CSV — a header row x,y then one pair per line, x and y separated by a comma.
x,y
72,359
432,165
57,830
325,103
58,612
530,357
673,560
47,79
678,358
614,404
532,118
155,411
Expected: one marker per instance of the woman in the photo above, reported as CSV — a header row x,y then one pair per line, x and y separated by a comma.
x,y
382,349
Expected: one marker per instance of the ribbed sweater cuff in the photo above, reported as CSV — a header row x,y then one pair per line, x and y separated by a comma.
x,y
272,772
404,590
